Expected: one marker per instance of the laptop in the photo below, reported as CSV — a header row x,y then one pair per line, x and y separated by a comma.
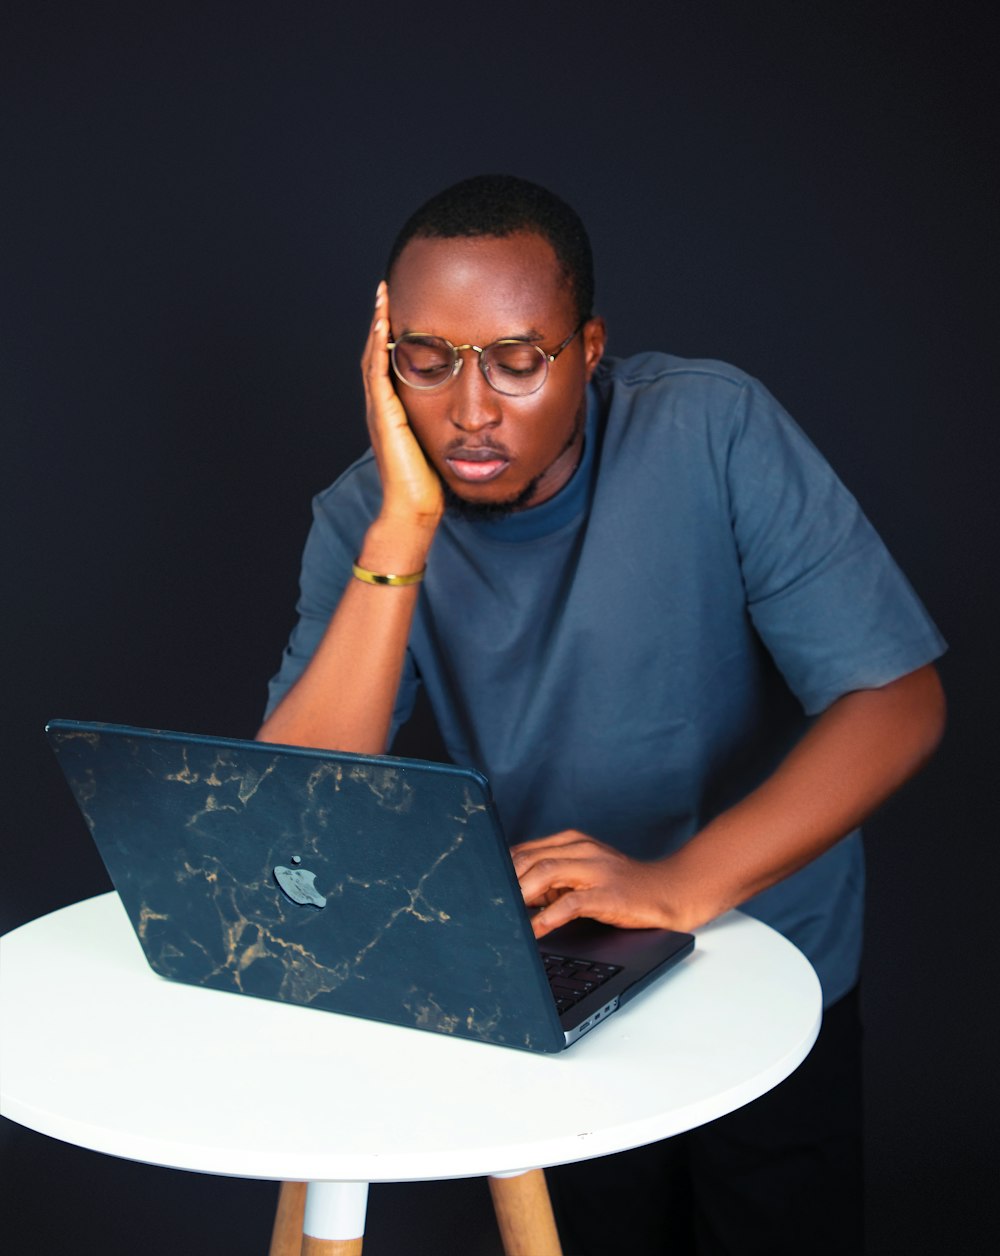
x,y
372,886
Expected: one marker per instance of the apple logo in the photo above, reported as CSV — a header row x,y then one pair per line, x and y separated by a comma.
x,y
298,884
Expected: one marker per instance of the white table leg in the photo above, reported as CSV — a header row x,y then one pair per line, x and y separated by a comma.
x,y
334,1223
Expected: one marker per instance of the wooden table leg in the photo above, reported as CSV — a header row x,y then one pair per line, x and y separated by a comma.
x,y
330,1247
521,1203
524,1215
286,1237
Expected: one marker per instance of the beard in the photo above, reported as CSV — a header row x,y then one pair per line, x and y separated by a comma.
x,y
483,512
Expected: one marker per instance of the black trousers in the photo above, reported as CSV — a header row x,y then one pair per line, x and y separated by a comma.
x,y
782,1175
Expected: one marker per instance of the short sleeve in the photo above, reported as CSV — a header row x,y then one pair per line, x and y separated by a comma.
x,y
827,599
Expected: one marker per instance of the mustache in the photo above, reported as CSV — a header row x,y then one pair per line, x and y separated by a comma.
x,y
480,451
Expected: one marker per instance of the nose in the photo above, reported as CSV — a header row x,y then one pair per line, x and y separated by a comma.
x,y
474,404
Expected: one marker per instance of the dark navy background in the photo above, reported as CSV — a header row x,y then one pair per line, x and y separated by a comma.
x,y
198,202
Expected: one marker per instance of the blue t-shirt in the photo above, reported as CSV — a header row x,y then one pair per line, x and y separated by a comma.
x,y
634,655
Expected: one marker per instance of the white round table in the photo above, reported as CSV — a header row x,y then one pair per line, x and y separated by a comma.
x,y
100,1052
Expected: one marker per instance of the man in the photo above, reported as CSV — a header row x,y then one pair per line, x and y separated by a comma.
x,y
641,602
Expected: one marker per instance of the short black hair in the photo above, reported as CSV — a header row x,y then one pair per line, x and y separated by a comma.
x,y
500,205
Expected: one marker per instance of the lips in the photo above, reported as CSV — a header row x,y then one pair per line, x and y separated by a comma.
x,y
476,464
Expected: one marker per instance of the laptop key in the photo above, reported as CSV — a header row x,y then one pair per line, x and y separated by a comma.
x,y
572,979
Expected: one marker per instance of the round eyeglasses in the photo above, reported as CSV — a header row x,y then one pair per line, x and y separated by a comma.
x,y
516,368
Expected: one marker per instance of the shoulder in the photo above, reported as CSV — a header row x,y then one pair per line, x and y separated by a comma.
x,y
657,374
691,400
705,423
680,390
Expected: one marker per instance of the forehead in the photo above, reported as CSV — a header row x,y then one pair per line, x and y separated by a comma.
x,y
480,288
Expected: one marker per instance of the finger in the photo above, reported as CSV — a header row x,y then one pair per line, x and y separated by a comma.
x,y
376,314
555,842
384,411
554,877
601,903
567,907
562,838
375,358
585,855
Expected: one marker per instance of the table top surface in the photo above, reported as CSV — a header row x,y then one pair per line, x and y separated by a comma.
x,y
101,1052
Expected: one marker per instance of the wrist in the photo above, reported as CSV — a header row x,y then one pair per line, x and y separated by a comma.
x,y
392,579
702,881
689,894
391,546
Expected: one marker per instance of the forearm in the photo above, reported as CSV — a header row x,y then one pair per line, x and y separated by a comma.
x,y
345,697
858,753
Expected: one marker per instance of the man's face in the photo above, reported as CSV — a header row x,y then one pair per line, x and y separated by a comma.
x,y
489,449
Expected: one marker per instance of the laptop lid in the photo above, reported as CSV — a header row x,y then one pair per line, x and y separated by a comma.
x,y
368,885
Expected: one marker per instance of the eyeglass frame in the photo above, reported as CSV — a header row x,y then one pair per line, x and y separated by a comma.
x,y
457,350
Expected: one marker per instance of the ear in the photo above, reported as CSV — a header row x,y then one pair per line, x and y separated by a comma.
x,y
595,336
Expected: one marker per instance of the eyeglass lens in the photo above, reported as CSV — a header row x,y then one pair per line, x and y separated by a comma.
x,y
512,367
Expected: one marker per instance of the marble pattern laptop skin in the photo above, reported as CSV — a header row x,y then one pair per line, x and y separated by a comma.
x,y
375,887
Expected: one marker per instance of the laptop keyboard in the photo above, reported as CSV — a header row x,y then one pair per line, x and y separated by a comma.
x,y
572,979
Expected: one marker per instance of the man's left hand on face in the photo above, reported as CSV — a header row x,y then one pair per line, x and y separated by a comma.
x,y
570,874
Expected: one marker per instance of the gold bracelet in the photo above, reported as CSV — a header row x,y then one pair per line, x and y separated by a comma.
x,y
376,577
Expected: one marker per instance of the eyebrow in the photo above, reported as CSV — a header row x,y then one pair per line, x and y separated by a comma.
x,y
529,337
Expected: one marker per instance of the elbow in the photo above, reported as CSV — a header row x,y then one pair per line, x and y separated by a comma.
x,y
927,712
936,716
